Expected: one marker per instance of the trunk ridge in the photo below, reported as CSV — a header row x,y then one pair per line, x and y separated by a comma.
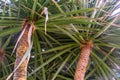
x,y
2,54
23,45
83,60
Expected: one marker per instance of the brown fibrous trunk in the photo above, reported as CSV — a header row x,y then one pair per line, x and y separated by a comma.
x,y
83,60
2,53
23,45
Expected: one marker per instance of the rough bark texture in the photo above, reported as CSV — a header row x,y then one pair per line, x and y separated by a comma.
x,y
2,53
83,61
21,72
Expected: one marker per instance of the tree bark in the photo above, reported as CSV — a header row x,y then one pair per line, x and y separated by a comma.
x,y
83,60
2,53
23,45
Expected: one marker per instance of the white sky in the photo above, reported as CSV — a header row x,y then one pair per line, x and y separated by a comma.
x,y
8,1
117,10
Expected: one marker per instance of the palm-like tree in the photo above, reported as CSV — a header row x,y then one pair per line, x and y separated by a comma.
x,y
84,28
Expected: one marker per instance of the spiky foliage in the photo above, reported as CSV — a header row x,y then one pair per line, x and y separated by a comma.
x,y
55,55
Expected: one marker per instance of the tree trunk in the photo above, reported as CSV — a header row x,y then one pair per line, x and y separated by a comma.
x,y
2,53
23,45
83,60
